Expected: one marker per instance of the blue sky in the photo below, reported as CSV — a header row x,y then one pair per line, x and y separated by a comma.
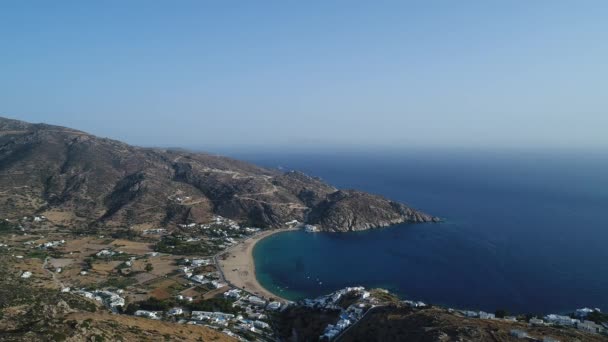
x,y
218,74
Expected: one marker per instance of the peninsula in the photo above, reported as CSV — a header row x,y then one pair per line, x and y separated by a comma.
x,y
75,178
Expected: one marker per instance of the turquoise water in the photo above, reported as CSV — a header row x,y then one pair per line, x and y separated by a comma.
x,y
522,233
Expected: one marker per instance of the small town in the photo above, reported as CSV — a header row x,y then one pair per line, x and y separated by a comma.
x,y
173,275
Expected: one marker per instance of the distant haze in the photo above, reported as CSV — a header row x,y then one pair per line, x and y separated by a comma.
x,y
219,74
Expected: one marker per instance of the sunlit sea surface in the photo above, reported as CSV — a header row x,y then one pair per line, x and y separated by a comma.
x,y
525,233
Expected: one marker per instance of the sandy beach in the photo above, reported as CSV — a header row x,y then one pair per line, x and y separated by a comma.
x,y
238,266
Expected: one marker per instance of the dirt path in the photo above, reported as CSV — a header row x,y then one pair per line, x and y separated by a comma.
x,y
58,282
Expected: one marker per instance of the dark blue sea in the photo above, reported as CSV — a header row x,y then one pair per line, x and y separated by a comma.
x,y
525,232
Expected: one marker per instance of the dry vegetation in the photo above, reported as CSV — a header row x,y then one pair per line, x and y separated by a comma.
x,y
400,323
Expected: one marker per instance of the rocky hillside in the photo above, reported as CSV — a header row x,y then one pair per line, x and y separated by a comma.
x,y
401,323
73,177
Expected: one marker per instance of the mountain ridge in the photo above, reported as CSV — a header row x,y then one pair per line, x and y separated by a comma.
x,y
73,177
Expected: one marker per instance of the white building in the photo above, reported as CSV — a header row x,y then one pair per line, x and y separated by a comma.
x,y
471,314
273,306
415,304
147,314
234,293
175,312
536,321
561,320
115,300
26,274
343,324
199,279
261,325
207,315
589,326
330,334
584,312
218,284
200,262
105,252
485,315
256,301
51,244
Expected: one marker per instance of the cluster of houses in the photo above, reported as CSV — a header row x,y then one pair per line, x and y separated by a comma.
x,y
219,220
110,299
483,315
51,244
237,323
251,321
221,230
250,303
250,300
330,301
215,283
233,294
107,253
348,316
149,314
355,311
34,218
309,228
549,320
217,318
155,231
208,278
580,323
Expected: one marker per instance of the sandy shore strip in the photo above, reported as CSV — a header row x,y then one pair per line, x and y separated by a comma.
x,y
238,267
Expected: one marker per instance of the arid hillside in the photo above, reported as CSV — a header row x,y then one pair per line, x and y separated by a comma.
x,y
72,177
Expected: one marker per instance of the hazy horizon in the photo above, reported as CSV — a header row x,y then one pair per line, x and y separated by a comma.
x,y
387,75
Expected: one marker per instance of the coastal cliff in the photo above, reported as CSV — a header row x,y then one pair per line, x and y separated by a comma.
x,y
351,210
73,177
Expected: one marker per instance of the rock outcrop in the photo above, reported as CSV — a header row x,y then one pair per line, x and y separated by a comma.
x,y
352,210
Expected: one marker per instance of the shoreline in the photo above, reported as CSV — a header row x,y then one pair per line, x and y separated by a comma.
x,y
237,266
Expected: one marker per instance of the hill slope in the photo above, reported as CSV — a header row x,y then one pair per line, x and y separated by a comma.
x,y
74,177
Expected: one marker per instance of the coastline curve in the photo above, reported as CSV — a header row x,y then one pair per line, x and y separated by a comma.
x,y
237,266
